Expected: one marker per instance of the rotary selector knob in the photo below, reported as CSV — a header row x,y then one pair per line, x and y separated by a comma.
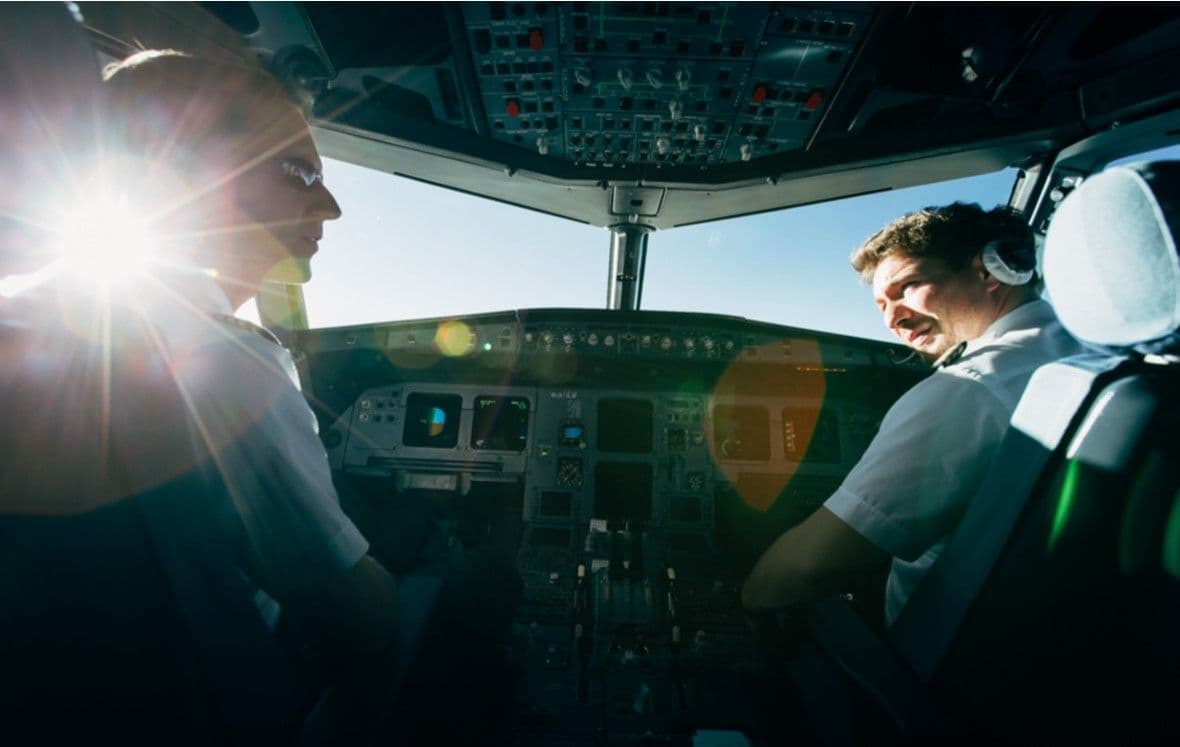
x,y
689,343
665,343
547,338
592,339
707,343
568,338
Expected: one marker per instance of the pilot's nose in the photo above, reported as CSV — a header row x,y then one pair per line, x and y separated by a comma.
x,y
324,205
896,314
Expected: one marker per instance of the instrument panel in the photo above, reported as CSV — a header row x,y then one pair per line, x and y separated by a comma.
x,y
640,472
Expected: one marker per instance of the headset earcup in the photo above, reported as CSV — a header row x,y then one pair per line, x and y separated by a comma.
x,y
1000,269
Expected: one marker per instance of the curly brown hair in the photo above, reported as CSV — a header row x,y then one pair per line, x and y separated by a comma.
x,y
954,233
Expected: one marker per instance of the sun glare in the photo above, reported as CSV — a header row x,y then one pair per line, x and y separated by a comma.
x,y
105,240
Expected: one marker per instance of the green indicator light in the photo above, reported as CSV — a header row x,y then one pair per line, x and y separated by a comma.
x,y
1069,489
1172,542
487,346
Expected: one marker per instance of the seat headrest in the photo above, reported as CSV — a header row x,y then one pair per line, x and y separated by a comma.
x,y
1111,266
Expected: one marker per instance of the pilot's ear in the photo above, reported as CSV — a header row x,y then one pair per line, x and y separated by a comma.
x,y
978,268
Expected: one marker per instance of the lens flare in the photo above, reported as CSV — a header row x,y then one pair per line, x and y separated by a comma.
x,y
454,339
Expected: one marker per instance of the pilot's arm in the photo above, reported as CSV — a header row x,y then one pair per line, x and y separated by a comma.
x,y
811,560
906,492
300,548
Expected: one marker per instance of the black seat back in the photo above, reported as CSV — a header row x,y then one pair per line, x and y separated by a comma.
x,y
1074,635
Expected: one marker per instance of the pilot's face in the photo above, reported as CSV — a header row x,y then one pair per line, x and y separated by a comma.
x,y
928,305
278,204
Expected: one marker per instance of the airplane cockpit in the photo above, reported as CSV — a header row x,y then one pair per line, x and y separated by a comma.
x,y
633,464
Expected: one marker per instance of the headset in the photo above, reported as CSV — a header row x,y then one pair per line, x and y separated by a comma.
x,y
1010,259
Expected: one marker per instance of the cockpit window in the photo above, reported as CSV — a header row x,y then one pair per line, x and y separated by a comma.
x,y
407,250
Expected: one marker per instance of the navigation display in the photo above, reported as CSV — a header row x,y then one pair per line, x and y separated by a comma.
x,y
741,432
500,423
625,425
432,420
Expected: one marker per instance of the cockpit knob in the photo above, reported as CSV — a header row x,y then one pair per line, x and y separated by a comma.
x,y
663,145
582,76
625,78
689,343
747,151
655,78
683,78
675,108
707,343
698,133
542,146
547,337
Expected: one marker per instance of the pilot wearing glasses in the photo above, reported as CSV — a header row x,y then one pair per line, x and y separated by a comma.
x,y
238,198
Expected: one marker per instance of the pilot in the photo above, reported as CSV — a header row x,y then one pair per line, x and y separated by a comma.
x,y
957,284
229,150
238,194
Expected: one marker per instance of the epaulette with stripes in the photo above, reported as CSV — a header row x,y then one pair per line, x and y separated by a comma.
x,y
951,356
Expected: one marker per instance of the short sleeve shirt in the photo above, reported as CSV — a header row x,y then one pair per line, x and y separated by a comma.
x,y
911,487
242,390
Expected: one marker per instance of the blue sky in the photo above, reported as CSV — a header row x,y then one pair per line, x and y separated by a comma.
x,y
406,250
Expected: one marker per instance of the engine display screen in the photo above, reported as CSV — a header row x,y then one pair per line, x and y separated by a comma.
x,y
432,420
500,423
741,432
625,425
622,492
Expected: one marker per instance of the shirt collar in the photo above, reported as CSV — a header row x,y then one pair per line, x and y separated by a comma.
x,y
1032,315
1035,313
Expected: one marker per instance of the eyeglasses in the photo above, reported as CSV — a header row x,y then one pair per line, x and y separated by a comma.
x,y
306,174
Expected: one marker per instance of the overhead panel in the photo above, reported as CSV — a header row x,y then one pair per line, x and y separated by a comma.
x,y
620,84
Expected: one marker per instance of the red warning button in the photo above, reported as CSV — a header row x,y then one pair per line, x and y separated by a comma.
x,y
759,94
512,108
814,100
536,39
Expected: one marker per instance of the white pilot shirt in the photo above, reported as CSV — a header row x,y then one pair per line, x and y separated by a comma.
x,y
912,486
243,391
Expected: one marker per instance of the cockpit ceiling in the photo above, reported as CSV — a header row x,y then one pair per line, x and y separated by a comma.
x,y
698,111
